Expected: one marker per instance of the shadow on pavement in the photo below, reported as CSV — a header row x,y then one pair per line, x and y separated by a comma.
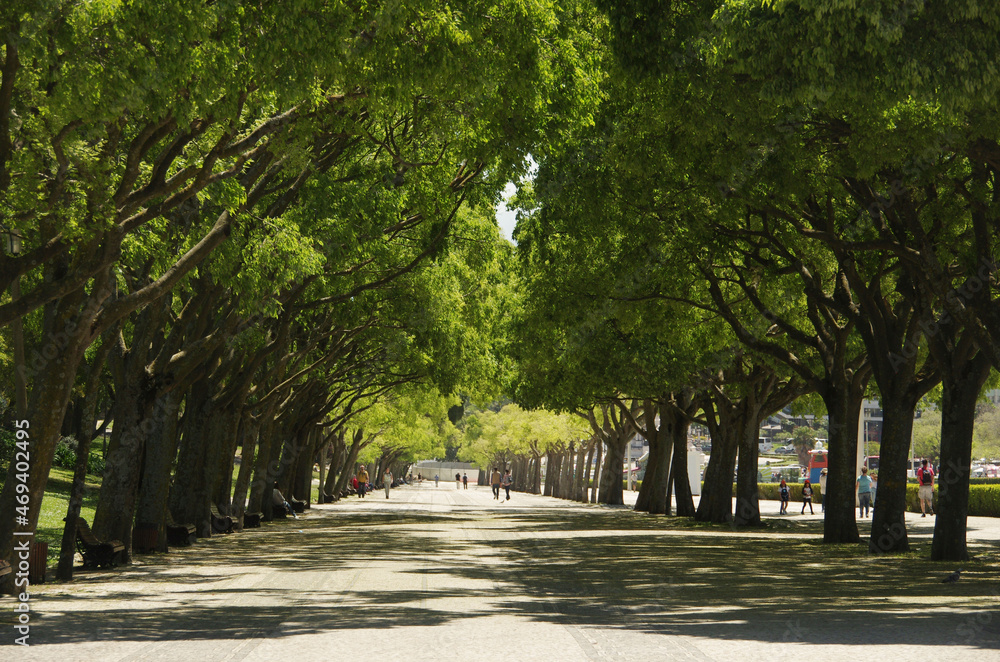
x,y
585,568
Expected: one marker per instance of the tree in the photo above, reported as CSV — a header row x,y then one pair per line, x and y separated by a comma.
x,y
227,125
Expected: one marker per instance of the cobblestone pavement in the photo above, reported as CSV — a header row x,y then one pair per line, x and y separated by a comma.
x,y
445,574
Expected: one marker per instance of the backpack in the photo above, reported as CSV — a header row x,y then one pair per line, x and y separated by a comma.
x,y
926,477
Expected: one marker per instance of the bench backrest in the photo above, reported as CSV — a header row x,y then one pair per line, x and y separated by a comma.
x,y
83,530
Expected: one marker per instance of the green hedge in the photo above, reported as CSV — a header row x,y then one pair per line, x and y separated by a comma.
x,y
772,491
972,481
984,500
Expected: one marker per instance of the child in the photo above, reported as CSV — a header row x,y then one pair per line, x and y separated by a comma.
x,y
807,497
784,497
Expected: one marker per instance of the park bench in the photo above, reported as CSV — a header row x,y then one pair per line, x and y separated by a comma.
x,y
5,569
251,520
96,553
297,506
221,523
180,535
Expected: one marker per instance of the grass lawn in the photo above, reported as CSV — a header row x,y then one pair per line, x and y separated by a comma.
x,y
55,504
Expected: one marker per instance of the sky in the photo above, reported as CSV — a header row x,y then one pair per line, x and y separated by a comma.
x,y
506,218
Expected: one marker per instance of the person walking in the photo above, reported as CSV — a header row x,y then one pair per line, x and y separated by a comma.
x,y
495,483
783,491
822,490
387,482
458,481
436,480
465,481
925,476
362,481
807,497
506,481
864,488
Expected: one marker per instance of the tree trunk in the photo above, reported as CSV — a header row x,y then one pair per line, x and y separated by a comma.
x,y
260,487
598,472
612,492
747,496
725,427
843,406
652,497
558,462
161,451
191,493
963,381
221,456
888,533
251,432
587,466
550,471
135,420
336,458
578,485
302,486
679,468
54,366
67,551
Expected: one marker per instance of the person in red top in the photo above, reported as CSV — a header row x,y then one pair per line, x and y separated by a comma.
x,y
925,476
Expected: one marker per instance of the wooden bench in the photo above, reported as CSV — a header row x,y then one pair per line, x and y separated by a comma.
x,y
251,520
297,506
180,535
5,569
95,552
221,523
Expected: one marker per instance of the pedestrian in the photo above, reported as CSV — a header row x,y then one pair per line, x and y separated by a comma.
x,y
280,502
387,482
506,481
458,481
436,480
807,497
495,483
362,481
864,488
822,490
783,490
925,475
465,481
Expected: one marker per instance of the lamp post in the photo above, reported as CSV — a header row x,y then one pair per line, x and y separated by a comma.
x,y
12,246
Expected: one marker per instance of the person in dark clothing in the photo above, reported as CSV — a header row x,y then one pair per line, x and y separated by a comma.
x,y
807,497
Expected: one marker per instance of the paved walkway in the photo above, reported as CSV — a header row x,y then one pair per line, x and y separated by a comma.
x,y
439,574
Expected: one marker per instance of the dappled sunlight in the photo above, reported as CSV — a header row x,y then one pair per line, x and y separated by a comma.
x,y
576,566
